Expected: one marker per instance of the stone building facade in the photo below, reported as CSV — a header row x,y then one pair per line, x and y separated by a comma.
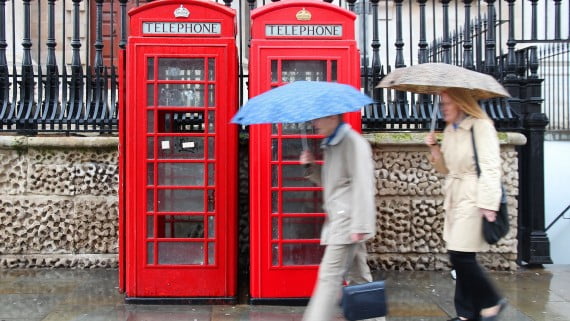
x,y
59,204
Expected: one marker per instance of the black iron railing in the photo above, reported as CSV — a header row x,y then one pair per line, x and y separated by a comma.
x,y
533,48
39,96
554,68
43,90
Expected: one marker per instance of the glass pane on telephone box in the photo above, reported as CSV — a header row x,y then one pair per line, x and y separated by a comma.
x,y
311,70
188,167
181,122
182,69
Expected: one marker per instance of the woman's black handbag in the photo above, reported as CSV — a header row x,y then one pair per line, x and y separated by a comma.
x,y
363,301
493,231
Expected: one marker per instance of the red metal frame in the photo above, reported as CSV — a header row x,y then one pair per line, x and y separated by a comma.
x,y
271,277
121,160
169,166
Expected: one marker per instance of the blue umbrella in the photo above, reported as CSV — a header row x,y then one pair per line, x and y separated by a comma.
x,y
301,101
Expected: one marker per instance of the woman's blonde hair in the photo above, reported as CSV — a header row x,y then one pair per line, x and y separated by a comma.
x,y
466,102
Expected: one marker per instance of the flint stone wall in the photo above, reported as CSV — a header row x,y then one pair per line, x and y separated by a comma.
x,y
59,204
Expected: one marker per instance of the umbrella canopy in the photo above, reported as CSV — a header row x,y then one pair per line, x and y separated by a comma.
x,y
433,78
301,101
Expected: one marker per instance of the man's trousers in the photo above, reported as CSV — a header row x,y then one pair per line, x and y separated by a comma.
x,y
324,303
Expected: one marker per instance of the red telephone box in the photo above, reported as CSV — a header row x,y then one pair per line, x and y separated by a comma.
x,y
180,152
292,40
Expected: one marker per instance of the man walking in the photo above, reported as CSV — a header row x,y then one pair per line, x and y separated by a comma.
x,y
347,177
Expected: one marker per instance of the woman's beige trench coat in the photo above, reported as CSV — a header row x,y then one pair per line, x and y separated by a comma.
x,y
464,192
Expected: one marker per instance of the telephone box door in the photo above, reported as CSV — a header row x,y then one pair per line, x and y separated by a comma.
x,y
289,215
292,40
181,168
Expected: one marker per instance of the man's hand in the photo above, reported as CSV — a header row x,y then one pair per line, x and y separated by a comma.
x,y
357,237
306,158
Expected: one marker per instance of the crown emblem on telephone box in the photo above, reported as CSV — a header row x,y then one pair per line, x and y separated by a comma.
x,y
303,15
181,12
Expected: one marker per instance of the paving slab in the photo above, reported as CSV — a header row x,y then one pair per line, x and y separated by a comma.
x,y
539,294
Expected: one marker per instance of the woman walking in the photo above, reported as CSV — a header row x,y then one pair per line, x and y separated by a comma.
x,y
468,198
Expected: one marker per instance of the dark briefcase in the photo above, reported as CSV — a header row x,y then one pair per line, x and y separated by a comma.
x,y
364,301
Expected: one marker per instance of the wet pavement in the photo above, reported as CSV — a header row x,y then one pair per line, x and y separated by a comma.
x,y
541,294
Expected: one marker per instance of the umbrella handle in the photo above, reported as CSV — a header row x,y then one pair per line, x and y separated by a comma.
x,y
304,137
304,142
434,113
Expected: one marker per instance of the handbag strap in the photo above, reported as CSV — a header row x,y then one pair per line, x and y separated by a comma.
x,y
477,159
475,151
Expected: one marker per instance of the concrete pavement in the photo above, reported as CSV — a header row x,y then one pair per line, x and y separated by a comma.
x,y
92,295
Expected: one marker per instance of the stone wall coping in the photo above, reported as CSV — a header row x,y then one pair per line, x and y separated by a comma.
x,y
58,142
414,138
384,138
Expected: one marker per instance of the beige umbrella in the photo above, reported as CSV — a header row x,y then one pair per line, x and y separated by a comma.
x,y
433,78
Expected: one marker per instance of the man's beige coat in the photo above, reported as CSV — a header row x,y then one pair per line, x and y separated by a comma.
x,y
464,192
349,187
